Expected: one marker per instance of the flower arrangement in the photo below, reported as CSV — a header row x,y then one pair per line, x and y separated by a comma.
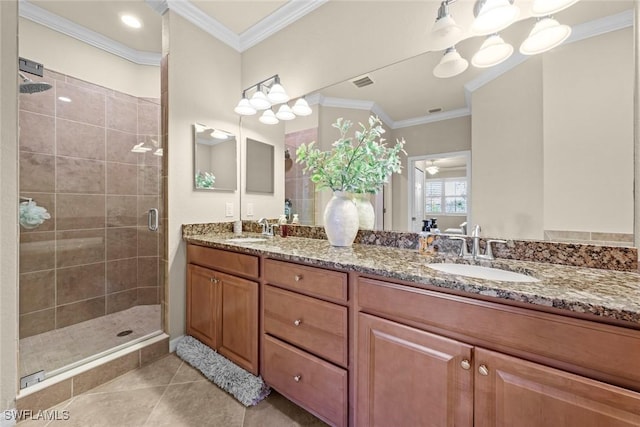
x,y
358,164
205,180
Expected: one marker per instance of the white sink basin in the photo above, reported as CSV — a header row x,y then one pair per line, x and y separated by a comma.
x,y
246,239
480,272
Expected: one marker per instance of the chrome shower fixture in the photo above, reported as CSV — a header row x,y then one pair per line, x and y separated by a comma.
x,y
29,86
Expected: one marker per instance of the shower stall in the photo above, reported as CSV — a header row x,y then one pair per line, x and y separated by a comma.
x,y
90,245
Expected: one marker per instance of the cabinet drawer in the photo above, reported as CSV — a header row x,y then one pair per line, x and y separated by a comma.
x,y
317,326
231,262
605,352
314,384
309,280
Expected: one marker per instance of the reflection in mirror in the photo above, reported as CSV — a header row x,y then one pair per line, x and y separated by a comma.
x,y
214,159
544,147
259,167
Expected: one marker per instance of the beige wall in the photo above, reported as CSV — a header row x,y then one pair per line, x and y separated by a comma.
x,y
433,138
85,62
204,79
8,204
507,154
588,135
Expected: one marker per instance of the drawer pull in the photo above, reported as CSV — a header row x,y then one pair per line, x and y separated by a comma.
x,y
297,277
297,322
297,378
483,370
465,365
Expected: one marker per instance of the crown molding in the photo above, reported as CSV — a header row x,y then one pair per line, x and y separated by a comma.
x,y
206,23
432,118
160,6
279,19
43,17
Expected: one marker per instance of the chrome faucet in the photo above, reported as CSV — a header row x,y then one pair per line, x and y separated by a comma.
x,y
475,248
475,236
267,229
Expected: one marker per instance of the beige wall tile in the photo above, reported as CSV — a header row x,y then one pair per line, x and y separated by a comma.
x,y
148,296
37,322
86,106
121,300
37,251
88,85
80,283
76,139
74,212
148,119
119,145
46,398
121,243
37,172
121,211
121,178
77,312
122,275
147,242
122,114
148,271
47,201
79,247
154,351
144,204
149,180
37,133
41,102
37,291
103,373
80,175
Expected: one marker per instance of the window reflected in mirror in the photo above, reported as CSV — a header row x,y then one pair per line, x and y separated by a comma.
x,y
215,159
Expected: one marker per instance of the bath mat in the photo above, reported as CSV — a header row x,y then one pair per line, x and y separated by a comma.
x,y
244,386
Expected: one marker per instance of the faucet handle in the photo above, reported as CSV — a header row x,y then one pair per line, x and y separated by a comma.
x,y
488,252
476,231
464,251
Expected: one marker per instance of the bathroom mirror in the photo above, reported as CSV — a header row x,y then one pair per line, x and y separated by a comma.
x,y
546,160
214,159
259,167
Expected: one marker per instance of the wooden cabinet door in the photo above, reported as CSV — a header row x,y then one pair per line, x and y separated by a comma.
x,y
513,392
203,305
408,377
239,315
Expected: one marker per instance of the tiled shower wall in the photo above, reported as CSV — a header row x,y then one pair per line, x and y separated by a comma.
x,y
95,256
297,186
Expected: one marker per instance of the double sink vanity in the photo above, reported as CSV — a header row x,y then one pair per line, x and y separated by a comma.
x,y
380,336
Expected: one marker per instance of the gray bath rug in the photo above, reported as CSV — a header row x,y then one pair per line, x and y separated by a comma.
x,y
244,386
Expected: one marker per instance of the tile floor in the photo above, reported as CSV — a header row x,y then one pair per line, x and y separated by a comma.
x,y
169,392
55,349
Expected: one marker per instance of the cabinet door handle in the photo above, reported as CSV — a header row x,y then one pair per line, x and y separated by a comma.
x,y
483,370
297,378
297,322
297,277
465,365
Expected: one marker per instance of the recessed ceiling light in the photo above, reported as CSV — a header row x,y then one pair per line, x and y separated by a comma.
x,y
64,99
131,21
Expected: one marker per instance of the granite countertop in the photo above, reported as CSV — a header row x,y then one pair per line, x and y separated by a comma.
x,y
606,293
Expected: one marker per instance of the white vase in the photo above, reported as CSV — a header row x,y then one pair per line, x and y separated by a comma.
x,y
341,219
366,213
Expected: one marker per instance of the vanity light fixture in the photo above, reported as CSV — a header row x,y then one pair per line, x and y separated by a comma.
x,y
445,31
264,96
218,134
140,148
548,7
433,169
546,34
493,16
451,64
268,117
158,152
492,52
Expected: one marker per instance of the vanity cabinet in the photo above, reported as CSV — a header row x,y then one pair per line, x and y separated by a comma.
x,y
305,339
432,359
222,308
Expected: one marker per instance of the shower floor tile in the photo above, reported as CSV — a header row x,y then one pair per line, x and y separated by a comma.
x,y
55,349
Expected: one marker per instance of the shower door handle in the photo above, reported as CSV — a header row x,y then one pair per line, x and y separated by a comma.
x,y
152,219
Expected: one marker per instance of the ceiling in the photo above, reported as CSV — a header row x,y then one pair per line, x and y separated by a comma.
x,y
242,24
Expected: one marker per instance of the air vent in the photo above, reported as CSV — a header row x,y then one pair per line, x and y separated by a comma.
x,y
362,81
435,110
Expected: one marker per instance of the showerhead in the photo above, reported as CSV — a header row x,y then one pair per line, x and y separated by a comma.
x,y
29,86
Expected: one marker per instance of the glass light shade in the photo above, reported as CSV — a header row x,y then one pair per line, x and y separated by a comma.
x,y
140,148
492,52
218,134
450,65
545,35
277,94
268,118
158,152
259,101
433,169
494,15
301,107
244,108
285,113
549,7
445,33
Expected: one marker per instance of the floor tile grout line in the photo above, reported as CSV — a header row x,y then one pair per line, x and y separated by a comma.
x,y
162,396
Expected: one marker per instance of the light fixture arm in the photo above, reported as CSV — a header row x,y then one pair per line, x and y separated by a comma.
x,y
443,10
480,3
268,82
